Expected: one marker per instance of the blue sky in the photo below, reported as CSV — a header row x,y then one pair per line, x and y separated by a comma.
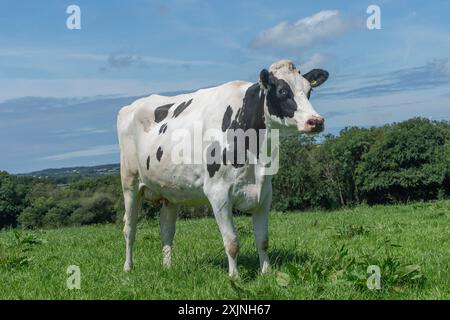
x,y
60,89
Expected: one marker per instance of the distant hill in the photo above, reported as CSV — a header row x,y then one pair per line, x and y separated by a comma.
x,y
96,171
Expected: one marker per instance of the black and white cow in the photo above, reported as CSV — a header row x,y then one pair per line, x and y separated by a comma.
x,y
146,129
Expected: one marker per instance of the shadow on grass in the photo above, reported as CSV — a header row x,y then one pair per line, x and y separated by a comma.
x,y
249,261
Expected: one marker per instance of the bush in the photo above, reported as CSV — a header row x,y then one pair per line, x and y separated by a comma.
x,y
97,209
407,163
296,182
10,201
32,216
59,215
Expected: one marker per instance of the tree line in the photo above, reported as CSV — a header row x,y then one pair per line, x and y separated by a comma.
x,y
406,161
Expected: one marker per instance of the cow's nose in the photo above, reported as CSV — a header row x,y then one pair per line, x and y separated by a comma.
x,y
315,124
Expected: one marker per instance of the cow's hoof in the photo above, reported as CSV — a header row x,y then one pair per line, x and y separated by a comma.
x,y
127,267
234,276
167,261
265,269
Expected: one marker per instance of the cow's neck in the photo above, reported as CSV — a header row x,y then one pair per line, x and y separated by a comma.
x,y
253,116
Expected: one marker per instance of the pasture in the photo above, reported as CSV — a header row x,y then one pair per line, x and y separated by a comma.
x,y
314,255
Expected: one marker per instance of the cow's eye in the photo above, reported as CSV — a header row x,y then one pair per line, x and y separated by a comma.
x,y
283,92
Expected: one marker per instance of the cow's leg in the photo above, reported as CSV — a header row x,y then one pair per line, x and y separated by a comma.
x,y
167,220
223,215
131,199
261,229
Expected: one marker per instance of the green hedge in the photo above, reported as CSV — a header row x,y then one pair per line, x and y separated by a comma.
x,y
408,161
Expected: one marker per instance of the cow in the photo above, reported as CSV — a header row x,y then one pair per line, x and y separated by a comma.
x,y
279,100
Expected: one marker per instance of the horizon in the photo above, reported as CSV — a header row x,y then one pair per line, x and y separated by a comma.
x,y
317,140
61,89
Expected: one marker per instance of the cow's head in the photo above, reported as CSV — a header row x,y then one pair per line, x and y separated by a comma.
x,y
288,94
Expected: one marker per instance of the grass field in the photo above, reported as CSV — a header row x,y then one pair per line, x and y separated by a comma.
x,y
317,255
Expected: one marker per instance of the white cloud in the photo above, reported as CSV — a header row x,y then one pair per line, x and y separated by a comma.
x,y
305,33
13,88
125,60
78,132
316,61
88,152
51,53
434,74
117,59
62,88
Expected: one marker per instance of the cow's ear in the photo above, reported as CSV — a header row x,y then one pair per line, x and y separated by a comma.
x,y
264,78
316,77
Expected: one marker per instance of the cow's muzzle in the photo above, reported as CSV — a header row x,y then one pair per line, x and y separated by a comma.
x,y
315,124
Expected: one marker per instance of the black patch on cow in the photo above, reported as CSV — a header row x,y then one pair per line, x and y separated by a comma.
x,y
181,108
226,121
280,99
211,164
249,117
162,112
148,162
159,154
163,128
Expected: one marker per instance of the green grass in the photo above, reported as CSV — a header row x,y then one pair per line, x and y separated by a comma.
x,y
316,255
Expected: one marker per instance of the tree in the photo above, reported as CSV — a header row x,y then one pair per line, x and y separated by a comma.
x,y
406,163
338,159
100,208
297,185
11,201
